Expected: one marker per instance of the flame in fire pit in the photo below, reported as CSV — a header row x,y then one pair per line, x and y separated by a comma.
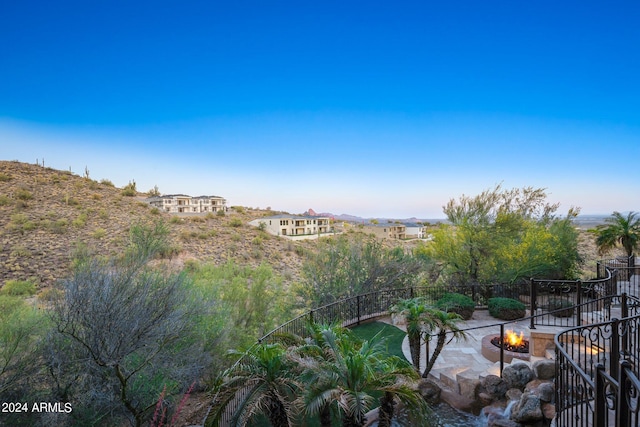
x,y
513,339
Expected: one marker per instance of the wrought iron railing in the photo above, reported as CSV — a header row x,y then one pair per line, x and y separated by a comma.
x,y
597,370
591,302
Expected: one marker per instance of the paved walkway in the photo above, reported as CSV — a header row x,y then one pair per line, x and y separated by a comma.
x,y
463,358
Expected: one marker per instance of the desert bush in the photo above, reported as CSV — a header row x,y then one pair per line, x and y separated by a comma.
x,y
99,233
129,190
238,209
106,182
506,308
197,219
5,177
23,194
175,220
103,214
564,307
80,221
121,333
235,222
20,251
19,288
96,196
220,212
60,226
155,211
457,303
4,200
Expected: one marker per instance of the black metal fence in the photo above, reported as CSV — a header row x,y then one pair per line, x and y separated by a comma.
x,y
569,303
597,370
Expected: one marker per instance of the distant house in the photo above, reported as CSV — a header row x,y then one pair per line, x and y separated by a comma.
x,y
294,225
181,203
387,231
416,231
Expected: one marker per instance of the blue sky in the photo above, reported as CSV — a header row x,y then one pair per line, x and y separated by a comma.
x,y
369,108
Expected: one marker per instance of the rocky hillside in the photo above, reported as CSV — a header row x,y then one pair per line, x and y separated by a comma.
x,y
46,213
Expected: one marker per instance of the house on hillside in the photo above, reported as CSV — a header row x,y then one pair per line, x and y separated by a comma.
x,y
392,230
294,225
181,203
415,230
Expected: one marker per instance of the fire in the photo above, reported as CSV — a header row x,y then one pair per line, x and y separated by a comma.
x,y
513,339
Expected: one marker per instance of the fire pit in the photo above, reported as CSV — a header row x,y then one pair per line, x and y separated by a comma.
x,y
514,344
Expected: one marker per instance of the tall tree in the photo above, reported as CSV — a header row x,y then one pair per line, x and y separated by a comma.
x,y
619,230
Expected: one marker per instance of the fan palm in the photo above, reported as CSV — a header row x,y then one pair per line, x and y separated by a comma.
x,y
263,382
348,374
442,323
619,230
413,310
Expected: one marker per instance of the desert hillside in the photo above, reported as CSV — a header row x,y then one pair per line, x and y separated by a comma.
x,y
45,214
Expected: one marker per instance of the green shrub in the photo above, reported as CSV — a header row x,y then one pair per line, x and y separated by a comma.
x,y
457,303
175,220
24,194
4,177
107,182
19,288
559,304
4,200
99,233
235,222
238,209
506,308
220,212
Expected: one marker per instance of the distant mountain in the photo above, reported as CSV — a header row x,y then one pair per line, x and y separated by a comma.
x,y
358,219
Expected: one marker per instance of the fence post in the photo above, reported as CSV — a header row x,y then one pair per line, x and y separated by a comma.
x,y
624,307
532,302
501,348
311,316
615,348
600,408
623,417
579,302
358,303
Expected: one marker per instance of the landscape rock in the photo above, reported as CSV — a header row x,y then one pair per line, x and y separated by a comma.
x,y
527,409
429,390
517,375
548,410
544,369
513,394
545,391
494,386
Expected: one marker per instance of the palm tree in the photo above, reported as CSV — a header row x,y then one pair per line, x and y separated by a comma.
x,y
619,230
350,371
263,382
442,323
413,310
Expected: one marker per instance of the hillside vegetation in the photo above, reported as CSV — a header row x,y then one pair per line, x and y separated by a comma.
x,y
46,214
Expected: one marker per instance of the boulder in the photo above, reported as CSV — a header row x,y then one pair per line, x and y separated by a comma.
x,y
429,391
544,369
494,386
545,391
548,410
527,409
517,375
513,394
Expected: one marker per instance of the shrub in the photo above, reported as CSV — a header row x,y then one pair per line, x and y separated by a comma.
x,y
175,220
130,190
107,182
220,212
24,194
238,209
99,233
4,177
19,288
4,200
506,308
559,304
235,222
457,303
